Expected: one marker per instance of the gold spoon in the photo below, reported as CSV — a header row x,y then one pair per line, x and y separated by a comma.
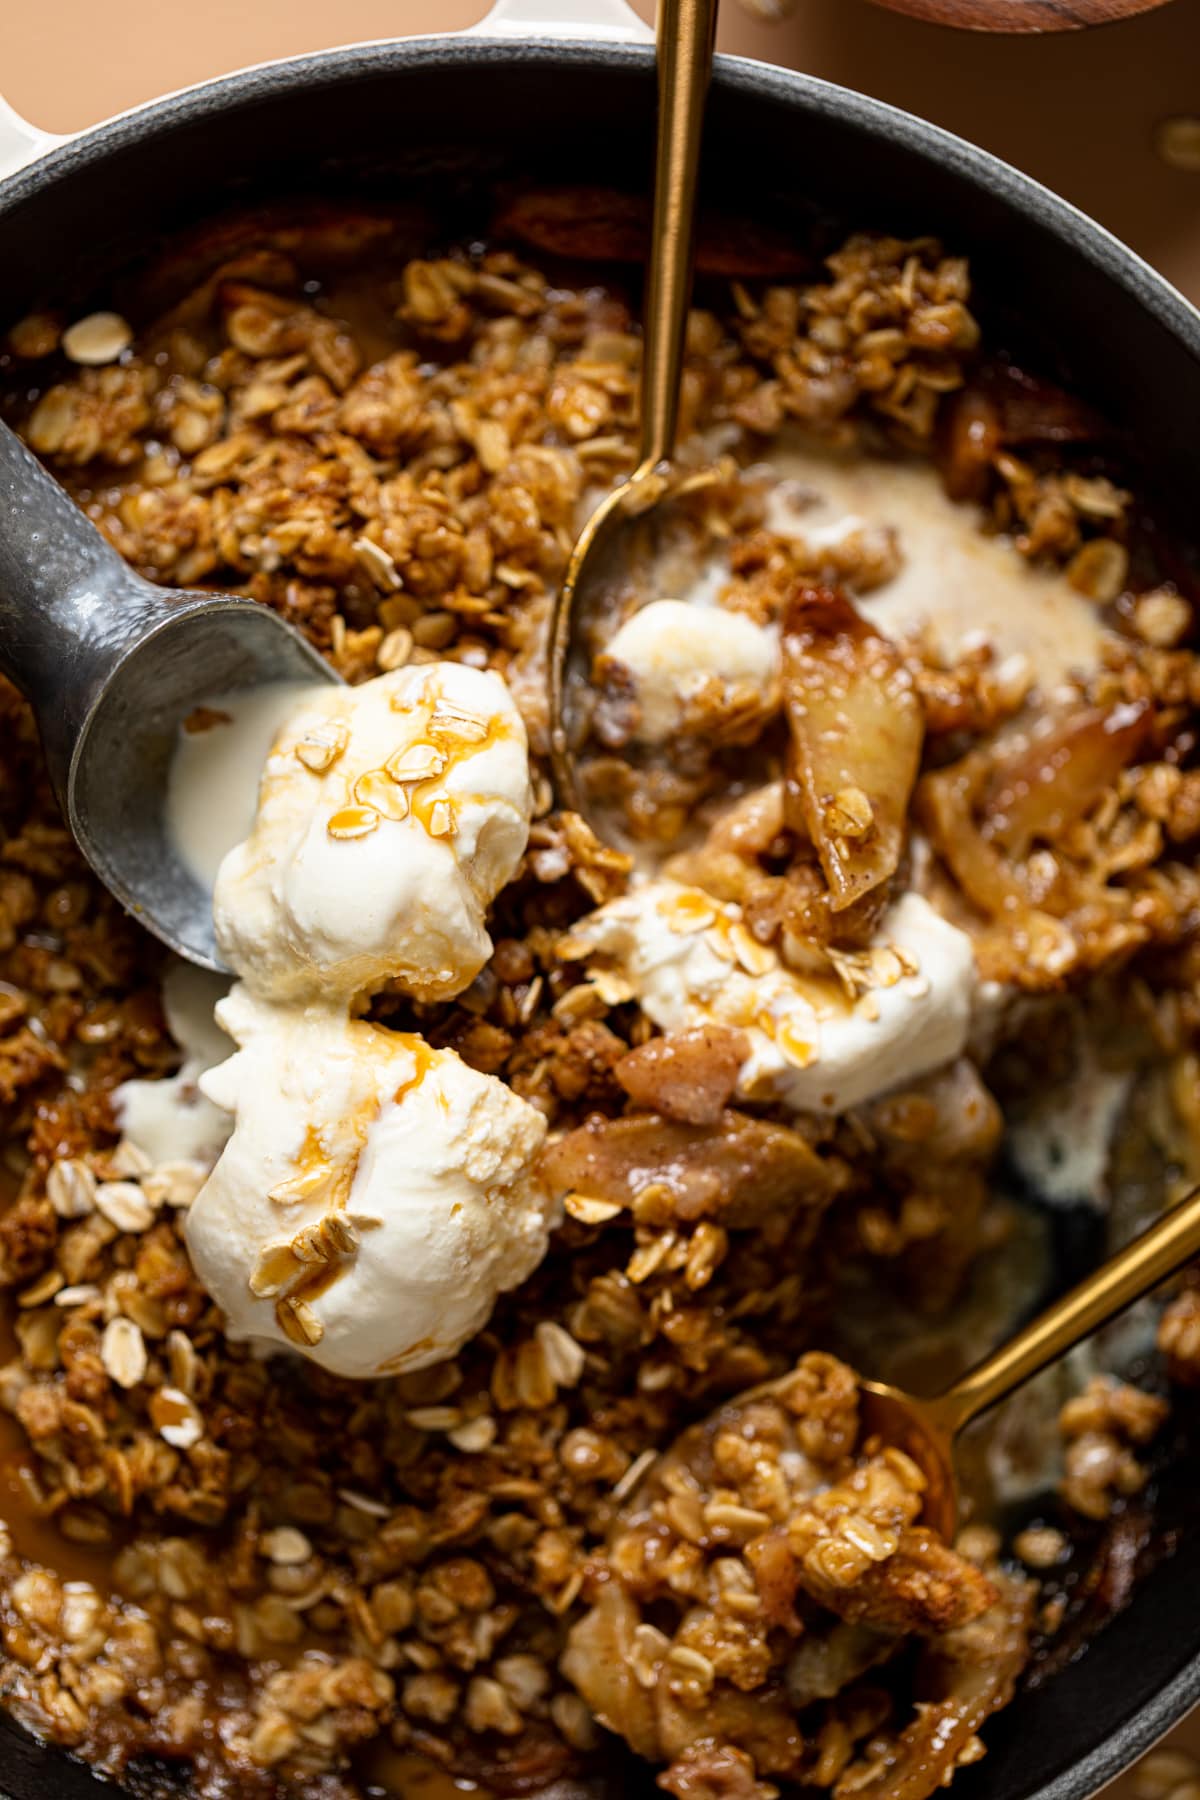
x,y
926,1429
684,38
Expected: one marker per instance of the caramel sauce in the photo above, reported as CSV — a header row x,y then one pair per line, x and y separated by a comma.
x,y
318,1156
391,1365
424,1056
283,1272
691,910
280,1270
447,735
368,309
352,822
318,1280
35,1533
312,1151
800,1051
389,1774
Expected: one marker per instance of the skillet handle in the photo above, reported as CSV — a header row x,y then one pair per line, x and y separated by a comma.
x,y
587,19
21,142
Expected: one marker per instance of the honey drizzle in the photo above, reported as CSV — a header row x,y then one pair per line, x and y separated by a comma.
x,y
293,1280
456,734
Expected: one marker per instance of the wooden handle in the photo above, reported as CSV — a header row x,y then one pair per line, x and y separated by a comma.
x,y
1016,16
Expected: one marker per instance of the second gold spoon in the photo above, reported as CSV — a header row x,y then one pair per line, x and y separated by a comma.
x,y
926,1429
684,39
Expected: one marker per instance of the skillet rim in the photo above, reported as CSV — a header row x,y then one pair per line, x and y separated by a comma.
x,y
825,99
1116,263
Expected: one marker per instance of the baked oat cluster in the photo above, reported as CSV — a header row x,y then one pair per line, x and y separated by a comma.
x,y
303,1584
783,1559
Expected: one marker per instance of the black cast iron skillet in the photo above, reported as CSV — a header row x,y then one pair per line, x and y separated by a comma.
x,y
441,120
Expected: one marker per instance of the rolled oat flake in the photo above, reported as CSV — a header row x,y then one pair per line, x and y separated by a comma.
x,y
99,338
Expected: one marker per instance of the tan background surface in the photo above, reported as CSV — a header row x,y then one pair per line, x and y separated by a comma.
x,y
1077,111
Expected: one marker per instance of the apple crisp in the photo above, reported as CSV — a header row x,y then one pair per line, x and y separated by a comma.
x,y
281,1579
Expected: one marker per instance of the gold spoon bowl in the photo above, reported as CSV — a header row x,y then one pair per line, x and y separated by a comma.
x,y
926,1430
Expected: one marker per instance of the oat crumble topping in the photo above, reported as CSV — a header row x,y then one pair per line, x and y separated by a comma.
x,y
332,1567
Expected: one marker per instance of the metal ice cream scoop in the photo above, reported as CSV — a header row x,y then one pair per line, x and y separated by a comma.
x,y
112,665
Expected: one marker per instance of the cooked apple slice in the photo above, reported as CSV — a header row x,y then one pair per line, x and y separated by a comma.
x,y
856,731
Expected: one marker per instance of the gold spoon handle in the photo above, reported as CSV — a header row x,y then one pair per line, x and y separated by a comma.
x,y
1133,1272
684,38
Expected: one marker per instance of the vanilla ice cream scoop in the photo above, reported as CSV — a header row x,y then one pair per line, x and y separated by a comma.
x,y
881,1016
376,1194
389,817
170,1118
687,664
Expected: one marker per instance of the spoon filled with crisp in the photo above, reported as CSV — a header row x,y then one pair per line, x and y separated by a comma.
x,y
805,1536
925,1431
